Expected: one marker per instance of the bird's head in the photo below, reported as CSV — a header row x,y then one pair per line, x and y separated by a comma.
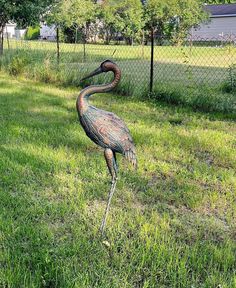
x,y
105,66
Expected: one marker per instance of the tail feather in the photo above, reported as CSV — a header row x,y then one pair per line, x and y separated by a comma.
x,y
131,157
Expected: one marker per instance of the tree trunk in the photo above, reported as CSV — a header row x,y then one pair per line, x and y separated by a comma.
x,y
76,35
1,38
107,36
159,34
128,40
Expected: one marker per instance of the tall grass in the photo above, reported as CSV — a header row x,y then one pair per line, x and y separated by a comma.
x,y
203,98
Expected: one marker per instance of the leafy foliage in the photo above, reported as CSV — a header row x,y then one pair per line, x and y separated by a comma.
x,y
73,14
32,33
123,17
24,12
230,85
173,18
129,19
190,14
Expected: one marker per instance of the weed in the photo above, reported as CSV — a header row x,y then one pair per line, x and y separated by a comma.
x,y
46,73
17,64
230,85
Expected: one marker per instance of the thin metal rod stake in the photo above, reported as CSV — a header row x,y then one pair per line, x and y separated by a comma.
x,y
113,187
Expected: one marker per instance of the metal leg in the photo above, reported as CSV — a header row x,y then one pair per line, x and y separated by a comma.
x,y
112,166
112,190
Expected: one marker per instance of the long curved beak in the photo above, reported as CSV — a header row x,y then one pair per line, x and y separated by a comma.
x,y
95,72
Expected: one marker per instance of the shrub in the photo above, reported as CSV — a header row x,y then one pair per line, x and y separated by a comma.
x,y
230,85
32,33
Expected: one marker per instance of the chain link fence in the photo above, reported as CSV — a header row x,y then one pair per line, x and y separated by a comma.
x,y
196,64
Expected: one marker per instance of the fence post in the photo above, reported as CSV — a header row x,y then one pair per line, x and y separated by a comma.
x,y
58,46
84,46
152,59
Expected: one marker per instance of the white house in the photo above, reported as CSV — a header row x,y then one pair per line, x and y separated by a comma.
x,y
20,33
48,32
222,22
11,31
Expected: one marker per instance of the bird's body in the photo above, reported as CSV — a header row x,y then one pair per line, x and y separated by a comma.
x,y
108,131
105,128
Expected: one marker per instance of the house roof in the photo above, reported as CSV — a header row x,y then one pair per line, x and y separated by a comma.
x,y
11,24
222,10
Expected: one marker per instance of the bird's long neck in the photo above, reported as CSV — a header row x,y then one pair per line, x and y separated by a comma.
x,y
82,100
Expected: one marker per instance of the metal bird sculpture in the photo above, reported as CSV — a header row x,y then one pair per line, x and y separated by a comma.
x,y
105,128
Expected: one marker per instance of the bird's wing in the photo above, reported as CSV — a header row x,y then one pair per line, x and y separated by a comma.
x,y
111,131
126,138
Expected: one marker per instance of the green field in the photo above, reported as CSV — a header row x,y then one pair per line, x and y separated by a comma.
x,y
194,65
172,223
216,56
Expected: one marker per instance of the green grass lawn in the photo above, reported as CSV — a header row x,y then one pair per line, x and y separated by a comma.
x,y
214,56
172,222
193,65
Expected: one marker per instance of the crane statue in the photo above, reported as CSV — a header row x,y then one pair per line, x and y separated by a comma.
x,y
105,128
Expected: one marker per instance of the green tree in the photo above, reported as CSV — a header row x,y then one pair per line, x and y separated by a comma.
x,y
173,18
73,14
190,13
108,17
130,15
158,15
24,12
121,17
32,33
